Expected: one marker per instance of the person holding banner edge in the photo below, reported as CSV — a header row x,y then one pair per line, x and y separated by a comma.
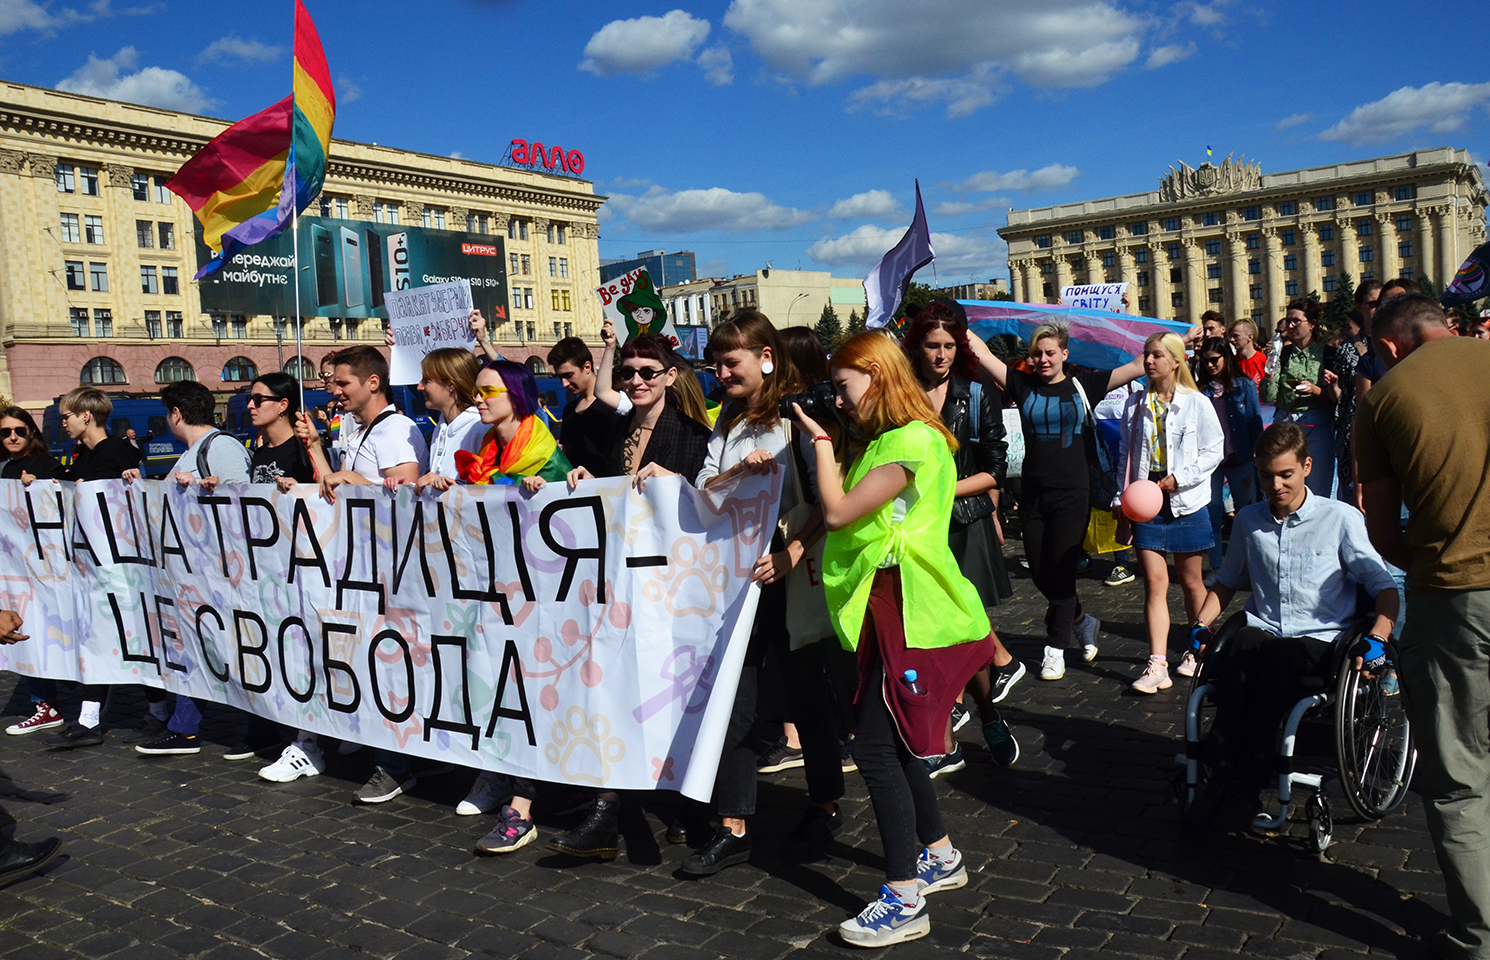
x,y
1055,496
918,626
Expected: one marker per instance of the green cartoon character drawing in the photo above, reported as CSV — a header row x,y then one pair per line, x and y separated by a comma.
x,y
643,309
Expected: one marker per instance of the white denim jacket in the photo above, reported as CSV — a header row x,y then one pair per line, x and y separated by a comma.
x,y
1193,446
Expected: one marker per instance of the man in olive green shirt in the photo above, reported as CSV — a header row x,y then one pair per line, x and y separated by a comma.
x,y
1422,438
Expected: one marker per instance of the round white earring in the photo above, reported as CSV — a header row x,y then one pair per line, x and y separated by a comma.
x,y
768,368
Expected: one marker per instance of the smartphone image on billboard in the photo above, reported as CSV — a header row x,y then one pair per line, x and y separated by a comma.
x,y
399,274
325,265
376,278
351,267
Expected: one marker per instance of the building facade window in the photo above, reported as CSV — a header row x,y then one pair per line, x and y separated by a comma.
x,y
1212,247
152,324
168,236
1328,283
239,370
1043,241
301,369
325,206
1404,193
88,181
65,181
1326,232
174,370
1139,229
1368,275
103,322
1404,222
1107,233
162,195
220,326
1213,271
1363,198
527,263
1046,268
1251,213
144,234
102,371
1404,249
1363,228
1324,203
1291,261
1367,254
517,229
343,210
1176,251
93,229
1143,278
1406,274
240,327
1141,255
98,277
169,283
1176,299
482,222
1214,295
1288,208
139,185
1290,288
1171,223
553,266
1254,241
1289,238
1176,274
75,279
1209,219
528,304
78,317
1109,258
1145,304
1255,291
564,268
1075,236
148,281
1327,258
532,330
174,325
512,263
70,231
1254,266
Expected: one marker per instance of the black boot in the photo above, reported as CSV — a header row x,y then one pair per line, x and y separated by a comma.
x,y
598,836
724,849
19,859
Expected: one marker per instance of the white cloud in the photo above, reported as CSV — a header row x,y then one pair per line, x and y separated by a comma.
x,y
712,209
1293,121
950,52
643,44
457,155
958,208
1049,177
151,86
234,47
719,66
1174,53
1202,14
870,203
18,15
863,247
1441,107
346,91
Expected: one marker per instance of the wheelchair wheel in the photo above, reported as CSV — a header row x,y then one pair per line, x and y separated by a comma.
x,y
1373,745
1321,824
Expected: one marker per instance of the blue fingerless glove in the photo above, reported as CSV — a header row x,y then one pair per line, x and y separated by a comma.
x,y
1376,654
1200,636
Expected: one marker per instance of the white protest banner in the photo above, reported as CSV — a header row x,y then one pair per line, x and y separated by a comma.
x,y
1095,296
591,638
424,319
630,302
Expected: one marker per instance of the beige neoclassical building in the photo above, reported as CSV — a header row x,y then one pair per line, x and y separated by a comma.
x,y
97,257
1231,238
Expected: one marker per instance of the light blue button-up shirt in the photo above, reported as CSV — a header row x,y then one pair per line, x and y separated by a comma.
x,y
1303,570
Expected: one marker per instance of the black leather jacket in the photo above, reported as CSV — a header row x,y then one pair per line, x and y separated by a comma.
x,y
989,455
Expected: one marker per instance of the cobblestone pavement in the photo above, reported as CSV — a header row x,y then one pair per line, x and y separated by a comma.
x,y
1073,853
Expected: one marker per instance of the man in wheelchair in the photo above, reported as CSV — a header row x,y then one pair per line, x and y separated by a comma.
x,y
1302,556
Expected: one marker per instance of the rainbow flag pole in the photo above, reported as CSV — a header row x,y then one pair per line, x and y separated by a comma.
x,y
313,114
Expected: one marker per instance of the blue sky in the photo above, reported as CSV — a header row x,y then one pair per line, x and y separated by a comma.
x,y
792,131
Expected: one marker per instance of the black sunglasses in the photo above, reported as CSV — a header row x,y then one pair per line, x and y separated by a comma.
x,y
254,399
8,432
648,374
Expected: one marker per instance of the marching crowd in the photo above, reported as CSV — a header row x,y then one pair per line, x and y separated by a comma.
x,y
894,460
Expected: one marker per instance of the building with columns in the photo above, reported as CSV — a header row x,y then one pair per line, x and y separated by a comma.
x,y
1231,238
96,256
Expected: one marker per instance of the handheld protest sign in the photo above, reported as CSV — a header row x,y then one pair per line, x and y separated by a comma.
x,y
424,319
631,304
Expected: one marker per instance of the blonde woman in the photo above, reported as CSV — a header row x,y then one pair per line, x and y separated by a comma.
x,y
1170,434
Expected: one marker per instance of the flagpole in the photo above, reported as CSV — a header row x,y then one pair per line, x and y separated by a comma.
x,y
295,218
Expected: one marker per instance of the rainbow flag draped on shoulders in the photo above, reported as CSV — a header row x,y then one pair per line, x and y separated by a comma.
x,y
533,452
252,179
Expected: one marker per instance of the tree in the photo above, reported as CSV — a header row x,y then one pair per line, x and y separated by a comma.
x,y
917,293
1342,304
855,324
1425,284
1003,295
829,330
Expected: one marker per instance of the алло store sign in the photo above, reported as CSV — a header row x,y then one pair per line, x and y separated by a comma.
x,y
558,159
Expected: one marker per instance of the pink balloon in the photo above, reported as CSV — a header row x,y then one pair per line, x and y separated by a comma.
x,y
1142,501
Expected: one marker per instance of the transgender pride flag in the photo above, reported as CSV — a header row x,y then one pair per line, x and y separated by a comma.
x,y
252,179
1100,339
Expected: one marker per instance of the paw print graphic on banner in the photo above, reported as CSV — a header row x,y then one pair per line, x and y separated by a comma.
x,y
693,582
617,615
582,747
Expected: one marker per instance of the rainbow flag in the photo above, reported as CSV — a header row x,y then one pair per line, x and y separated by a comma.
x,y
250,181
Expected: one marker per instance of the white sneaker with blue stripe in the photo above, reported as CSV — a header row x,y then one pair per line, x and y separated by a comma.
x,y
934,875
886,921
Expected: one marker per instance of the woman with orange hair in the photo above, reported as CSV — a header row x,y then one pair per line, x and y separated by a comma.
x,y
917,625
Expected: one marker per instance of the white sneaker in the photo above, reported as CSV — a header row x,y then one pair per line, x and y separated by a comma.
x,y
298,760
1188,664
1053,667
1155,677
487,794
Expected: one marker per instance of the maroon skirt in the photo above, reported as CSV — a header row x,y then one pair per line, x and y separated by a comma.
x,y
941,672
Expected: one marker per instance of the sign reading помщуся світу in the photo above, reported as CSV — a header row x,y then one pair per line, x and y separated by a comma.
x,y
1095,296
591,638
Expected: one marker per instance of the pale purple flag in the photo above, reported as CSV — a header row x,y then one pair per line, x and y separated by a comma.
x,y
886,284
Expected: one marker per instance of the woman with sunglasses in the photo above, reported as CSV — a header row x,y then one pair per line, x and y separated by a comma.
x,y
1234,395
1305,390
660,439
280,458
27,459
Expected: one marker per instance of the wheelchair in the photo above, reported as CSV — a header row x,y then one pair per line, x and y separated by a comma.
x,y
1373,752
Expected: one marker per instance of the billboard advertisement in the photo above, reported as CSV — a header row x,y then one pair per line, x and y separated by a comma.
x,y
347,267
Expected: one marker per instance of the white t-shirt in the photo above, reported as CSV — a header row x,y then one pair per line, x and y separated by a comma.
x,y
395,439
227,460
465,432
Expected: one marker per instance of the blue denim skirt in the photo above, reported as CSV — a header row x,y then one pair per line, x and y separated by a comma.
x,y
1167,533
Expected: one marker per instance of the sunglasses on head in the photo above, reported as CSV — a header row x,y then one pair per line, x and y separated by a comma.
x,y
491,390
7,432
648,374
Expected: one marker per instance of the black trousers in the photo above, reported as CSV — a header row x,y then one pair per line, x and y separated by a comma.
x,y
816,679
1054,522
900,789
1257,683
734,784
